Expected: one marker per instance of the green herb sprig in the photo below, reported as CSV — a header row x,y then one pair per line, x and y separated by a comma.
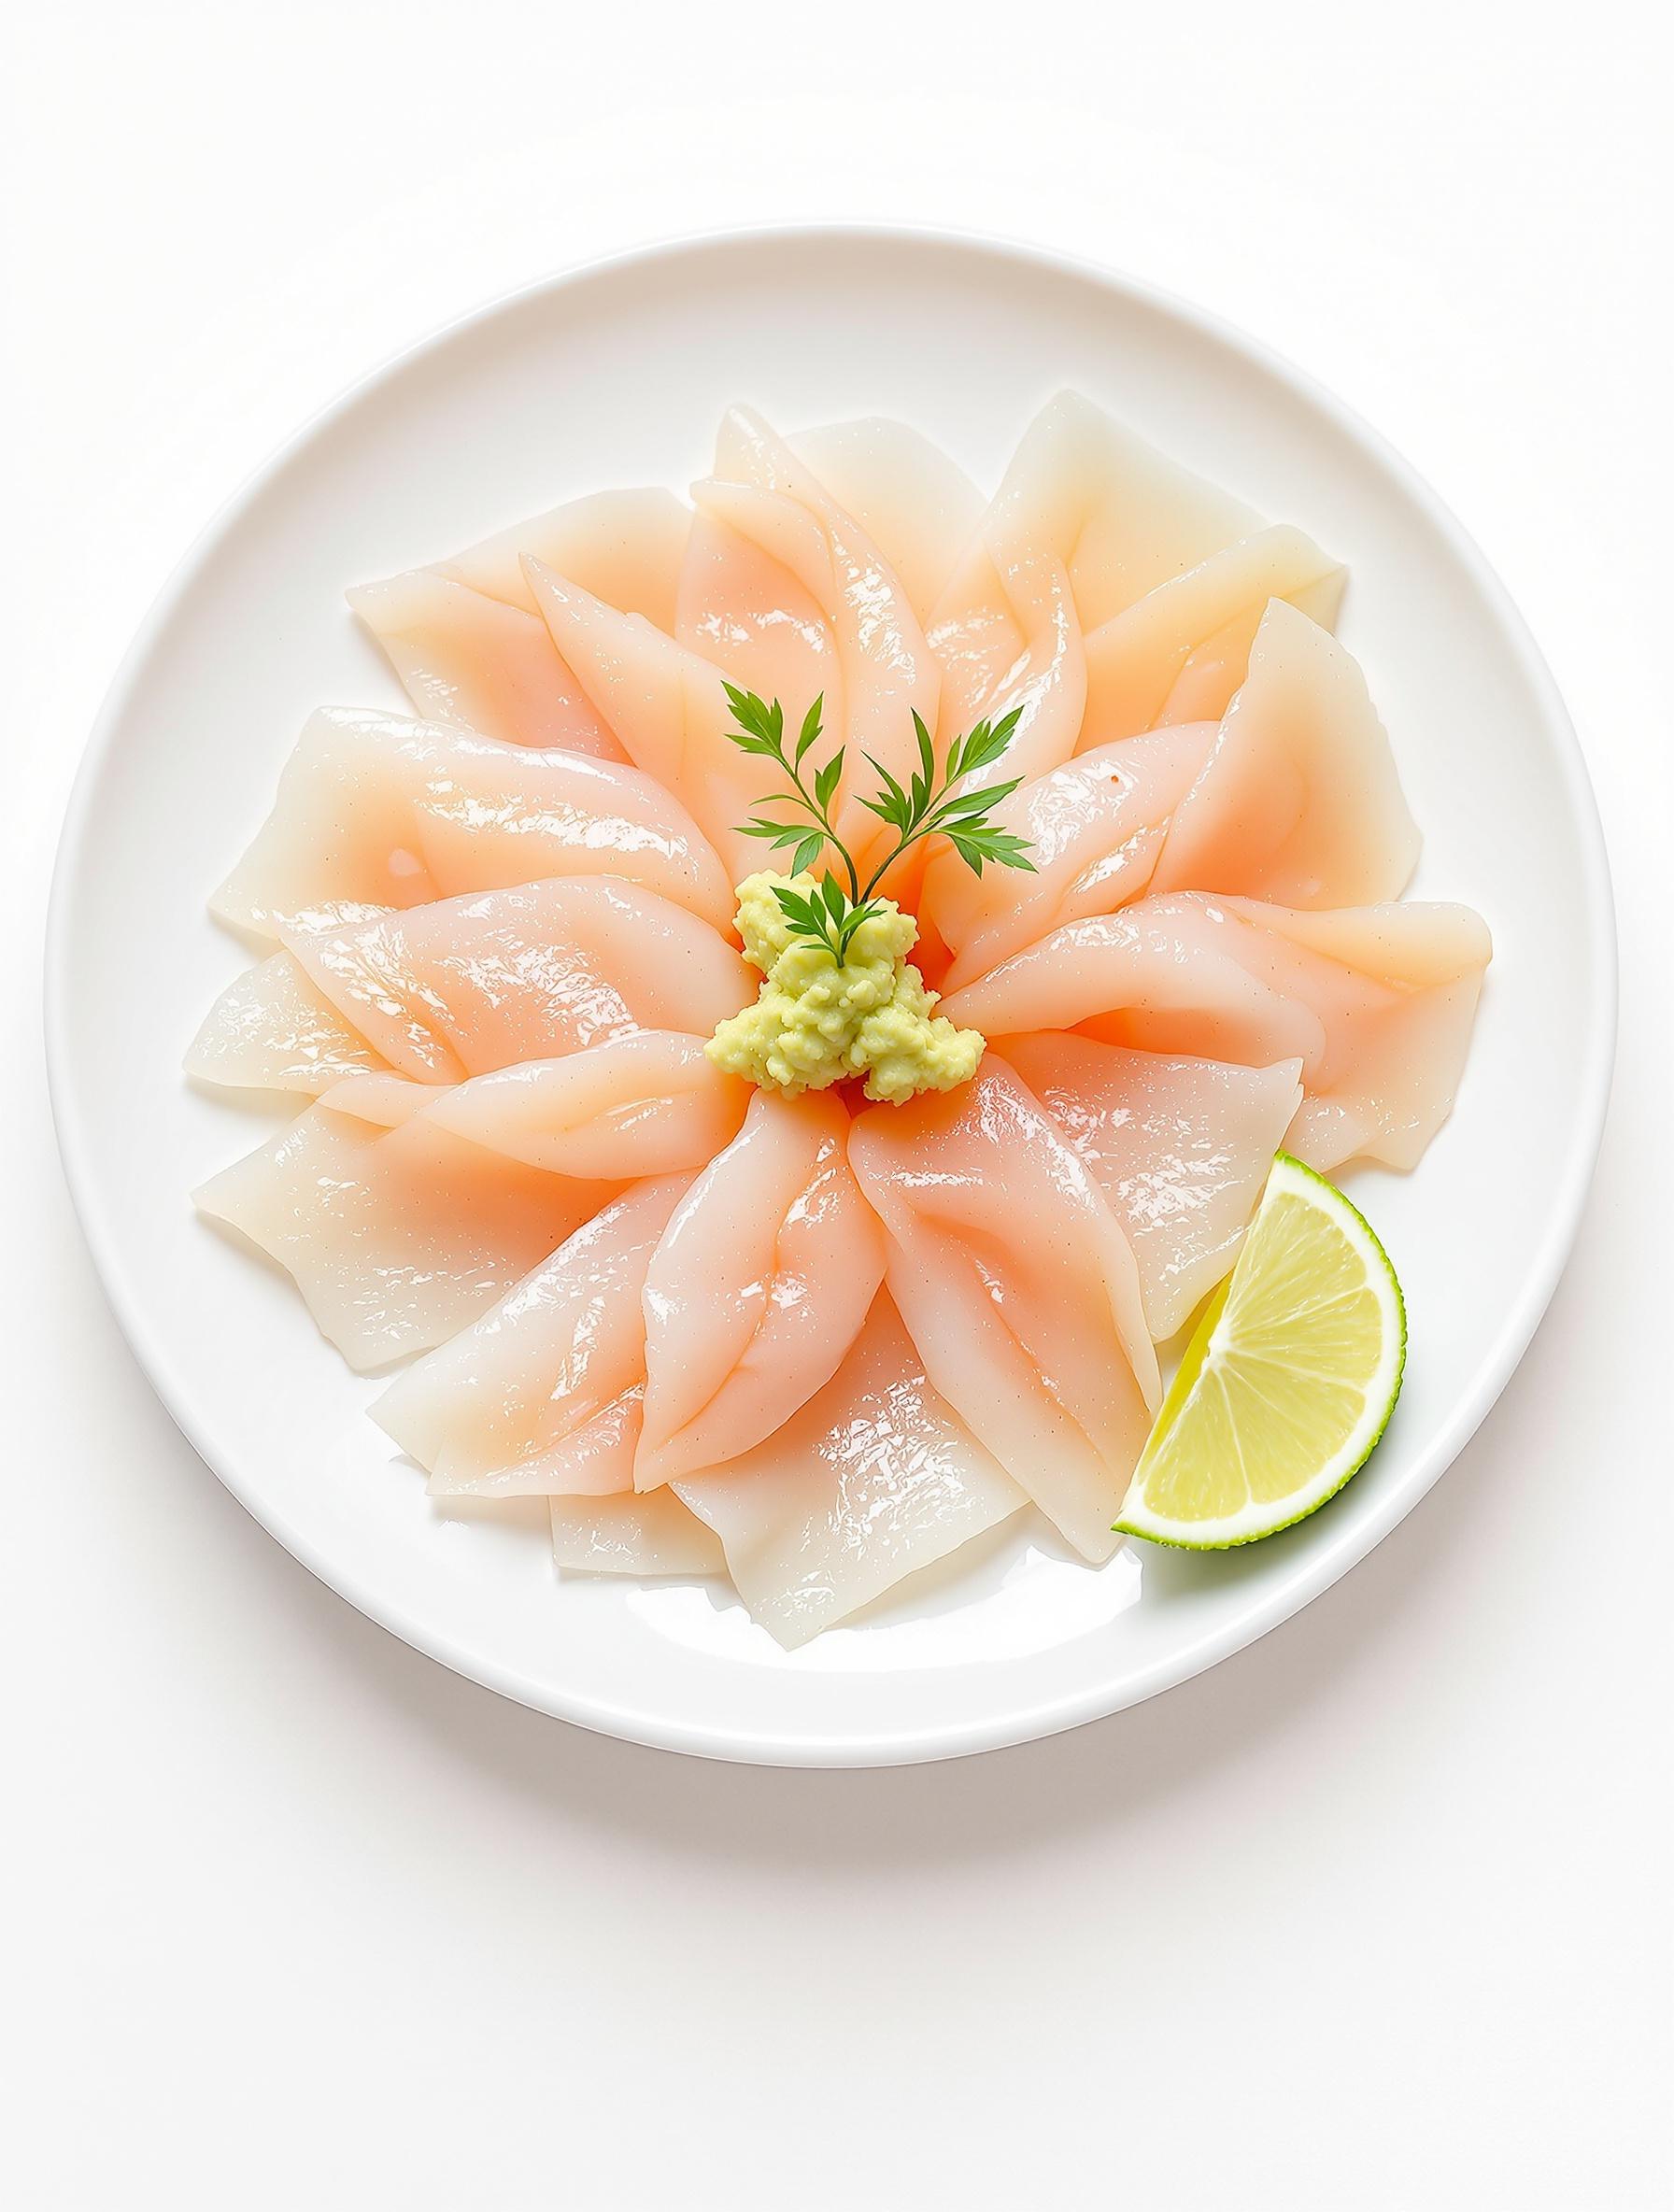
x,y
927,805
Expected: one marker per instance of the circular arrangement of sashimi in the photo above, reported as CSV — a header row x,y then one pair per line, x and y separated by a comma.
x,y
835,978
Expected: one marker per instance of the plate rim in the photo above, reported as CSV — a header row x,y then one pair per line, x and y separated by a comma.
x,y
1315,1571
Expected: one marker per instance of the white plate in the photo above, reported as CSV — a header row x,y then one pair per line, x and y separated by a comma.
x,y
617,375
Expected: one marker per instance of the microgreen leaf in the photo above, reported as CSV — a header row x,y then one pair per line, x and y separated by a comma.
x,y
826,780
810,729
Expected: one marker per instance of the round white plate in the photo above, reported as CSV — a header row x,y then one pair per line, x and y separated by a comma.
x,y
617,375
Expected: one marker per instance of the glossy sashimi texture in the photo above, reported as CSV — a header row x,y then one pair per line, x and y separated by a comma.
x,y
1019,1291
875,1478
758,1288
396,1237
543,1393
378,810
1377,1004
1180,1149
817,1342
465,986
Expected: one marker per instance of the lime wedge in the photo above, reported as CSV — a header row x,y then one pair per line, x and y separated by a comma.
x,y
1288,1381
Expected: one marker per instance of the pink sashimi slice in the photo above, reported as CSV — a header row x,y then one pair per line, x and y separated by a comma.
x,y
473,661
745,612
1019,1290
917,507
1180,1147
396,1237
465,986
1138,661
626,548
650,1102
1007,635
1376,1001
653,1534
543,1392
875,1477
665,706
376,810
757,1289
1095,828
1298,802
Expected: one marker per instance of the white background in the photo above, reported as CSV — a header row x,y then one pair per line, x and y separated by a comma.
x,y
1370,1917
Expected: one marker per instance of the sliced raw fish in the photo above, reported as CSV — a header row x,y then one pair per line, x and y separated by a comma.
x,y
1298,802
918,507
396,1237
875,1477
464,985
665,706
1095,826
1182,1149
745,610
543,1393
1376,1001
757,1289
273,1029
1019,1289
1010,639
650,1102
472,660
649,1535
378,810
1138,661
626,548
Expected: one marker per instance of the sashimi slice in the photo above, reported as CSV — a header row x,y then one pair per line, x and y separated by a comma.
x,y
396,1237
1180,1148
746,613
757,1289
1298,802
1019,1290
1095,828
1136,659
1120,516
877,1476
650,1535
377,810
464,985
543,1392
1008,639
918,507
272,1030
472,661
1203,690
665,706
626,548
1376,1001
646,1103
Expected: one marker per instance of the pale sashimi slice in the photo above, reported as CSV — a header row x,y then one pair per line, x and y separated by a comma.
x,y
1136,659
626,548
664,705
1181,1147
1095,828
543,1392
1376,1001
650,1102
464,985
649,1535
1298,802
1203,690
472,661
377,810
1019,1289
875,1477
745,610
918,507
757,1289
273,1029
396,1237
1008,639
1121,517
